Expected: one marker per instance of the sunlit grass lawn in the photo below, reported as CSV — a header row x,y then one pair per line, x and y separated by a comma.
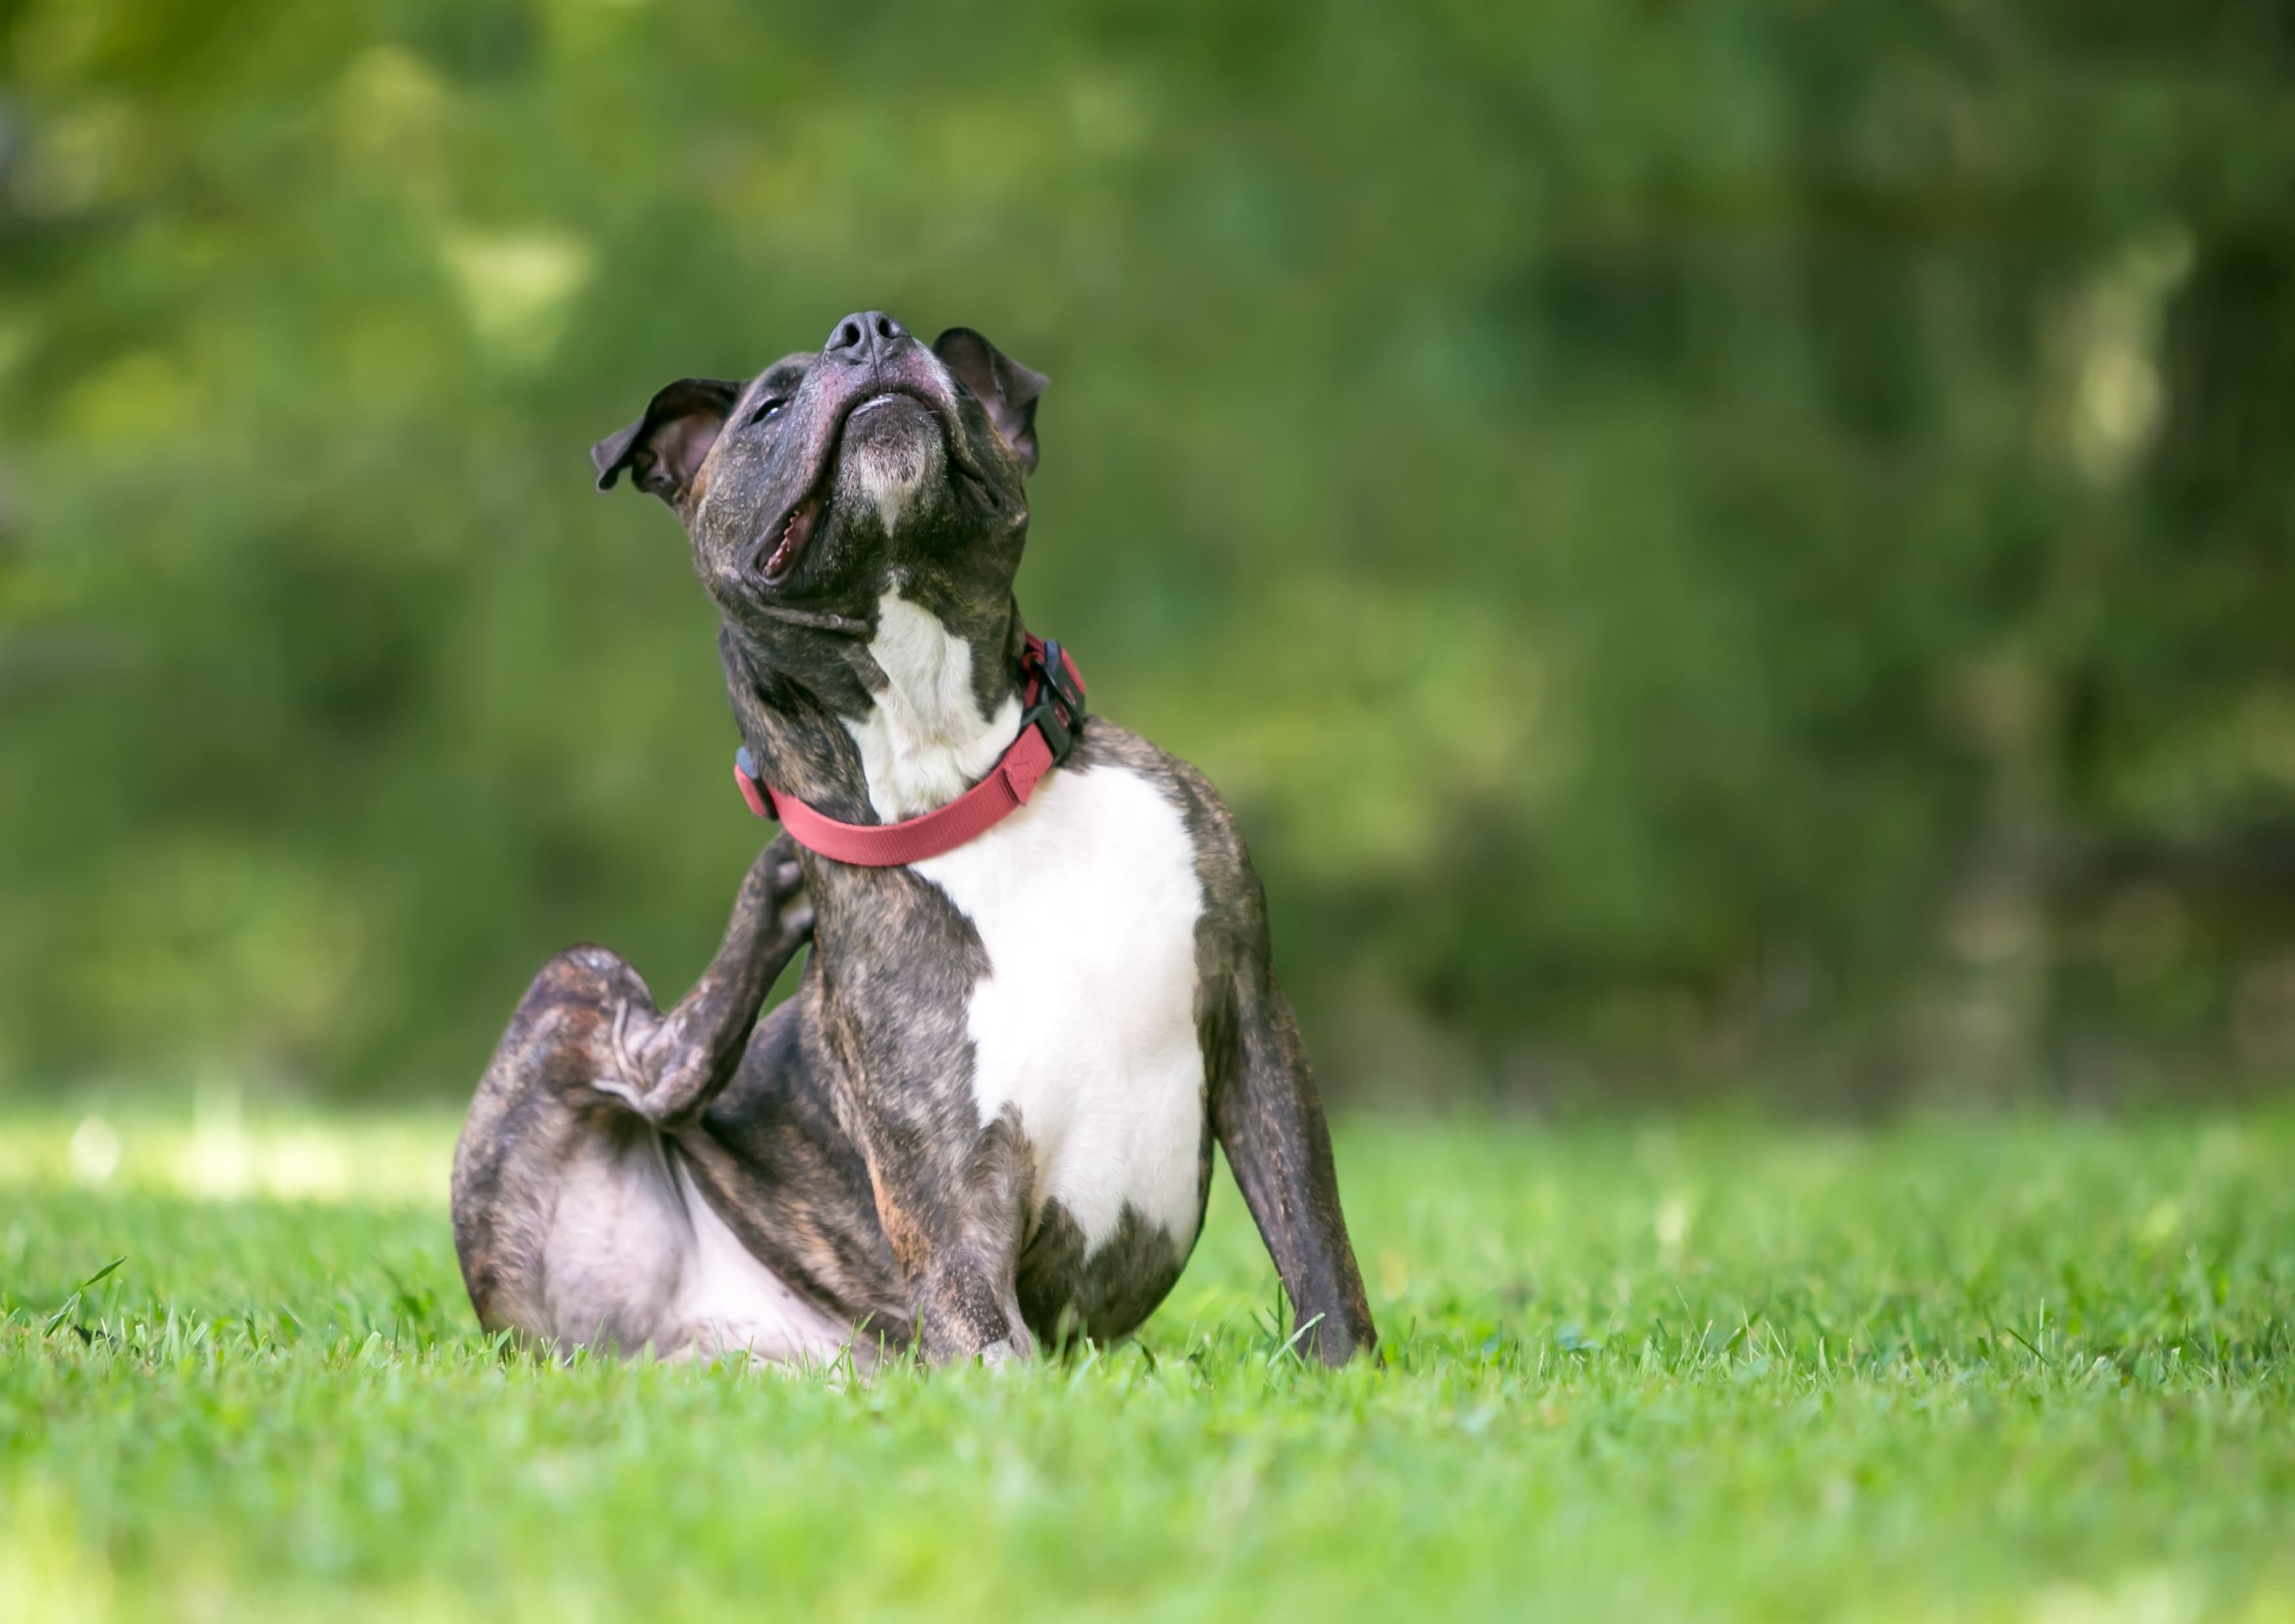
x,y
2041,1370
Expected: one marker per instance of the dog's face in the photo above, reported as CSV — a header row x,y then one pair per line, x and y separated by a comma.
x,y
877,464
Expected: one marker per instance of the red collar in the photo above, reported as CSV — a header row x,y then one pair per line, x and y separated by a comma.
x,y
1048,733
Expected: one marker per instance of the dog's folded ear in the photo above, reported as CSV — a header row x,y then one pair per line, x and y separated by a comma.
x,y
663,449
1005,387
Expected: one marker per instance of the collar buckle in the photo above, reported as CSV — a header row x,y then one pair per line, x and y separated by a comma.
x,y
1058,712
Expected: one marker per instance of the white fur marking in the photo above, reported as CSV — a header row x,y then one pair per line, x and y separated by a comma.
x,y
890,475
1086,899
925,742
892,487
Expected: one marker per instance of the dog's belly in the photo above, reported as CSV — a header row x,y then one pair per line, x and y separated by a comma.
x,y
1086,901
633,1256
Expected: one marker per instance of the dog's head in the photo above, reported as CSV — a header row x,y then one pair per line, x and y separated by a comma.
x,y
829,480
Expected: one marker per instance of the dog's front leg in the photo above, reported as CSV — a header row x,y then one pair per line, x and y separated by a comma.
x,y
956,1233
669,1066
1269,1120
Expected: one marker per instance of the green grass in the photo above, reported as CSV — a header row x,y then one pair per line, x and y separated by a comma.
x,y
2034,1371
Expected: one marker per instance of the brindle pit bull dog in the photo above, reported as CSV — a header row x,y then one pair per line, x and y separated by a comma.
x,y
985,1120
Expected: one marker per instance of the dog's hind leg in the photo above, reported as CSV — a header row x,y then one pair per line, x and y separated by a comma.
x,y
571,1218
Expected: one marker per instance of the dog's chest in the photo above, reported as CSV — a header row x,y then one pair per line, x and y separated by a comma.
x,y
1086,901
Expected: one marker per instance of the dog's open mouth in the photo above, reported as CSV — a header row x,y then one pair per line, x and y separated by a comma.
x,y
797,530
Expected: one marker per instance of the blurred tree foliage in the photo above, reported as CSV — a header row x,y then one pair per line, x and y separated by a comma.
x,y
1693,532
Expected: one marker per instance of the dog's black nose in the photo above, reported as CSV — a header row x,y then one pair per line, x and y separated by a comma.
x,y
863,337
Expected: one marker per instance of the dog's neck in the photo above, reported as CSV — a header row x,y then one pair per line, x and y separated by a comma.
x,y
929,737
892,728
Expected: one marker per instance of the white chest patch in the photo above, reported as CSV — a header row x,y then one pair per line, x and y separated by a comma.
x,y
1086,899
925,741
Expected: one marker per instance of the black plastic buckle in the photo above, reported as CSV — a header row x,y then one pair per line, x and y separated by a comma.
x,y
1058,712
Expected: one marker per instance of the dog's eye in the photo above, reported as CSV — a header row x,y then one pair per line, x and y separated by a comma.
x,y
767,408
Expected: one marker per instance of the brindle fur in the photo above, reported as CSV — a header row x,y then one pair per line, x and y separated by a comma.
x,y
840,1139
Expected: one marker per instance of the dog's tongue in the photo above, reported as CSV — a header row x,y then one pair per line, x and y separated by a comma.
x,y
796,531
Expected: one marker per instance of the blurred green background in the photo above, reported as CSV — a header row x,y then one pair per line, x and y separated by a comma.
x,y
1713,545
